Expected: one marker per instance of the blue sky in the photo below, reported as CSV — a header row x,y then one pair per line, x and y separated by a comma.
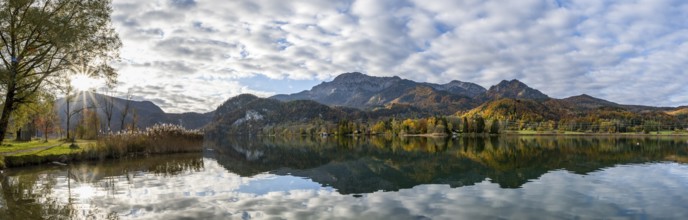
x,y
191,55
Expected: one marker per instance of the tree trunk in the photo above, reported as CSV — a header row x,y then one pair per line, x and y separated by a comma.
x,y
6,112
45,132
69,115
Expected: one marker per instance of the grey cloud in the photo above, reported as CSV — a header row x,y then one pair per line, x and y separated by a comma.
x,y
162,16
154,31
191,48
204,28
125,21
154,87
185,4
142,93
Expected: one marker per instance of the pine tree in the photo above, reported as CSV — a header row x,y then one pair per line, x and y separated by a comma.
x,y
466,127
479,124
494,127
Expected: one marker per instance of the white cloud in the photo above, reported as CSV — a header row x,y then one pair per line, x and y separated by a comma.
x,y
624,51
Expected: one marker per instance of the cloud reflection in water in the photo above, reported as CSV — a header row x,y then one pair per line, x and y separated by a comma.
x,y
630,191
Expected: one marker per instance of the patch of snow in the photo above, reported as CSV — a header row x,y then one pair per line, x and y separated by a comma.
x,y
250,115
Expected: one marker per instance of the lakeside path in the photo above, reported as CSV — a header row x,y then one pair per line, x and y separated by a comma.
x,y
26,150
16,154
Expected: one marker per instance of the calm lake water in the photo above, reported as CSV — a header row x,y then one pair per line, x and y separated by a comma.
x,y
363,178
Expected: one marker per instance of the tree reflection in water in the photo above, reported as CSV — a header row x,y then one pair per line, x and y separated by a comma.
x,y
362,165
55,192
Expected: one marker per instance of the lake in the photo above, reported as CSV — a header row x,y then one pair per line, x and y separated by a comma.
x,y
512,177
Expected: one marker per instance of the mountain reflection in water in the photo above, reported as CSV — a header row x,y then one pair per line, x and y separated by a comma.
x,y
404,178
363,165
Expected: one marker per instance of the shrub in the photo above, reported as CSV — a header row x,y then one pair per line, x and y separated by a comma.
x,y
158,139
162,138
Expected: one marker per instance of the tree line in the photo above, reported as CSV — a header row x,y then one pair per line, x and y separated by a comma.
x,y
453,125
84,121
436,125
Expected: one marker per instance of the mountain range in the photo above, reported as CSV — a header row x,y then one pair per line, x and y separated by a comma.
x,y
147,113
356,96
357,90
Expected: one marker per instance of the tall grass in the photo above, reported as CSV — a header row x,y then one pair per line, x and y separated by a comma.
x,y
159,139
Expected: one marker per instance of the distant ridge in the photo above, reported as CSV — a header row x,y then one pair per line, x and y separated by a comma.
x,y
364,92
364,99
357,90
147,112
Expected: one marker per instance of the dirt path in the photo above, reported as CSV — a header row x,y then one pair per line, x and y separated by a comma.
x,y
28,150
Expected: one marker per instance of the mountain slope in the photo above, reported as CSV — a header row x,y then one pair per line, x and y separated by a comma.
x,y
513,89
512,109
361,91
349,89
248,114
583,102
441,102
459,88
147,112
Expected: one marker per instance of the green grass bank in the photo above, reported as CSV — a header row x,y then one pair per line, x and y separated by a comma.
x,y
159,139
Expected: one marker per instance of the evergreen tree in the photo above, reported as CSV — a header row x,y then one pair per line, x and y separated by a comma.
x,y
494,127
479,124
466,126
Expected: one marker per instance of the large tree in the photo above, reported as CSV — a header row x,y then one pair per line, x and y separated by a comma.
x,y
42,42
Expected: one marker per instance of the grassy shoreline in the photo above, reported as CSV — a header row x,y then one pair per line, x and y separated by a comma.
x,y
166,139
161,139
12,150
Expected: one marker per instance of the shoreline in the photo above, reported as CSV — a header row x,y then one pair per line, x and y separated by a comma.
x,y
16,161
508,133
91,153
596,134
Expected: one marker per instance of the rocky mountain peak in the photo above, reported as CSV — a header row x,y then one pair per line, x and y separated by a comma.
x,y
362,79
587,101
514,89
362,91
352,76
514,83
465,88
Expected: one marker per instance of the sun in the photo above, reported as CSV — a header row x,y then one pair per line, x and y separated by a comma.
x,y
83,82
85,192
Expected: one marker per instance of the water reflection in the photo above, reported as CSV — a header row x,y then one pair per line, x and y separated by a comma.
x,y
363,165
56,192
368,178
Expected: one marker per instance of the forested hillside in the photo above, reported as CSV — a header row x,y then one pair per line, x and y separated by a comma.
x,y
358,104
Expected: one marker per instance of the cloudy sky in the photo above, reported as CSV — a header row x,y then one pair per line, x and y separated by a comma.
x,y
191,55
